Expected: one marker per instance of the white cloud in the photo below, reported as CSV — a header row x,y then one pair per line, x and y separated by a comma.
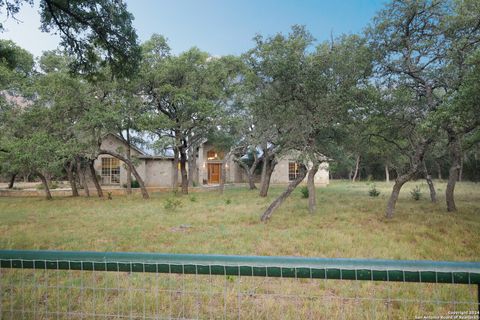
x,y
27,34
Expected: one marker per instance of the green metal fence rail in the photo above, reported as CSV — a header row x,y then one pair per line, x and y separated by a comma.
x,y
53,284
262,266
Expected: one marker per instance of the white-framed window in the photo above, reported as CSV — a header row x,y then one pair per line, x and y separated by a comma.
x,y
293,169
110,171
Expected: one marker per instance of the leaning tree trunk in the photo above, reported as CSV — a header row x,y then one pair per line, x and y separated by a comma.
x,y
275,204
416,162
263,175
12,181
312,201
387,173
431,187
71,178
399,182
93,173
250,172
250,176
251,181
456,155
134,171
48,195
81,177
268,175
357,165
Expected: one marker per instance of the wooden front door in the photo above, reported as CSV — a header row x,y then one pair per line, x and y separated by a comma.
x,y
214,173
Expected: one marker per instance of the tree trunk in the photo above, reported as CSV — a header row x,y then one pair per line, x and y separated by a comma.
x,y
271,163
399,182
223,173
415,162
250,176
250,171
275,204
192,167
129,167
387,173
460,172
264,167
456,155
81,177
134,170
312,201
439,170
93,173
431,187
251,181
357,165
48,195
12,181
183,168
71,178
175,170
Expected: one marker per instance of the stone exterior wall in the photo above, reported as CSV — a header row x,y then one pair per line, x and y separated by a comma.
x,y
158,173
280,173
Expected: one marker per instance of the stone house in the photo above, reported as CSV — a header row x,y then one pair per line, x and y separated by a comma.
x,y
157,171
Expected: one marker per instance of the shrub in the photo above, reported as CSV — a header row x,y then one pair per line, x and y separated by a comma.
x,y
193,199
373,192
133,184
228,201
416,194
172,204
304,191
109,195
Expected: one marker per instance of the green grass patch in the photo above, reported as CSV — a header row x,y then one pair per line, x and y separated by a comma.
x,y
348,223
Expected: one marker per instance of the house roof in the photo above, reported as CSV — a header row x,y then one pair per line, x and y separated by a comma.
x,y
116,136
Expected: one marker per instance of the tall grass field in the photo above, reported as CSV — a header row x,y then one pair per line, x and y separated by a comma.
x,y
348,224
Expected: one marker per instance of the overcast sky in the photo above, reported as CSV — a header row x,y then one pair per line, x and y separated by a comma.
x,y
219,27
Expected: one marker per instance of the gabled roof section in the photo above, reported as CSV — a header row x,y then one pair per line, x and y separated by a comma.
x,y
116,136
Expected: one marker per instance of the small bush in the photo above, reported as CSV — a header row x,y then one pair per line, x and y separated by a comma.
x,y
109,195
228,201
373,192
416,194
304,191
172,204
193,199
133,184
